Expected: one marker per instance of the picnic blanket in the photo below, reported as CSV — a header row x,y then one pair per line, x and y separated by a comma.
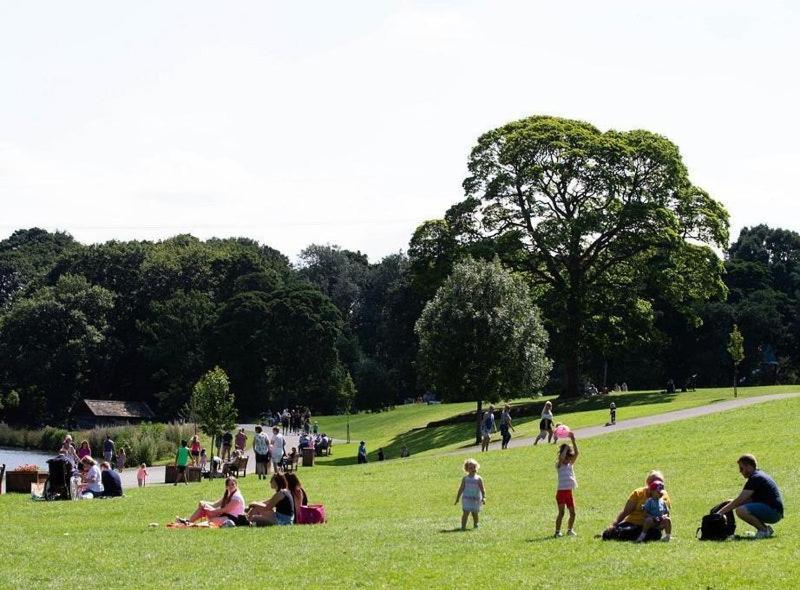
x,y
203,524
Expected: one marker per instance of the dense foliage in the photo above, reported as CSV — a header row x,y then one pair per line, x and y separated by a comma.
x,y
618,248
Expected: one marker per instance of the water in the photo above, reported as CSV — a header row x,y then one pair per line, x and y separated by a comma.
x,y
15,457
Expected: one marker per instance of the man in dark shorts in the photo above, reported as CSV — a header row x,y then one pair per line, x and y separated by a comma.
x,y
760,504
181,462
261,450
227,441
112,482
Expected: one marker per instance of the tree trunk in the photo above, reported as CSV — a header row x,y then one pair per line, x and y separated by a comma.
x,y
571,343
478,423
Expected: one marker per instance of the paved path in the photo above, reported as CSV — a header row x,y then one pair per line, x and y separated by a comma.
x,y
155,474
664,418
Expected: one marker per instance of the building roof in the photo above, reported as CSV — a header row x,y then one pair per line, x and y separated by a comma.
x,y
118,409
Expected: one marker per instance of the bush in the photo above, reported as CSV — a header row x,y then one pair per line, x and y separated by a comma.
x,y
52,438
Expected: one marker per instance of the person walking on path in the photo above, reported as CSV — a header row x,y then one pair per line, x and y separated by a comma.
x,y
362,452
545,424
487,428
121,458
278,449
760,503
505,425
261,450
108,448
181,463
566,484
227,441
241,440
612,411
472,493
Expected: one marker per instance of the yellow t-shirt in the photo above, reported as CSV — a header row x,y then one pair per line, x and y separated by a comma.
x,y
639,497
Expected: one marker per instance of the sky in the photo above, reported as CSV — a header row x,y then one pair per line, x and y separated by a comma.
x,y
351,123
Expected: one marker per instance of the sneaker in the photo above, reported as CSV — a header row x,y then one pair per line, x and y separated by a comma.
x,y
557,535
571,533
765,534
181,520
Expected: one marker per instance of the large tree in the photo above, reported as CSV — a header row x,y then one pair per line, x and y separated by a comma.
x,y
481,337
587,215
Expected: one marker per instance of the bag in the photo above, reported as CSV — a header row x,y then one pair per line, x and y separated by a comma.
x,y
626,531
716,527
313,514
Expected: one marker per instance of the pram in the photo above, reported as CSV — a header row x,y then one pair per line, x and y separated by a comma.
x,y
59,484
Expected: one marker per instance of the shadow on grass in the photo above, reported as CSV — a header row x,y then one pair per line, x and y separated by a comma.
x,y
457,529
541,539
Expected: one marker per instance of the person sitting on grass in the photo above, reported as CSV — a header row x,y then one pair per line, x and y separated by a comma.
x,y
657,513
760,503
298,493
229,507
91,479
629,522
112,482
278,510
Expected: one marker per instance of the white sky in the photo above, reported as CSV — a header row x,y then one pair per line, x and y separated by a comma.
x,y
351,122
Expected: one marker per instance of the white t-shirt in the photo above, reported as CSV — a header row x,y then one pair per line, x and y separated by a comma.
x,y
278,445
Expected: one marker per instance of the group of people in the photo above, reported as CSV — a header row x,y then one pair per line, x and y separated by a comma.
x,y
92,479
646,513
280,508
319,442
293,421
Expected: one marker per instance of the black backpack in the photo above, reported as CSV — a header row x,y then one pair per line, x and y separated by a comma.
x,y
717,527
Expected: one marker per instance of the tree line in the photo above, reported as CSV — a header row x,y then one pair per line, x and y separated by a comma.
x,y
626,261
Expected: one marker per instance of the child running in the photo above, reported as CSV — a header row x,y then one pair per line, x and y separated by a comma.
x,y
566,483
545,424
657,512
471,493
141,475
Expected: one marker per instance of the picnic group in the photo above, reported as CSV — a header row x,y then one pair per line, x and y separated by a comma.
x,y
645,516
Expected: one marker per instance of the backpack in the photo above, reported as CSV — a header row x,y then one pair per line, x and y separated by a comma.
x,y
716,527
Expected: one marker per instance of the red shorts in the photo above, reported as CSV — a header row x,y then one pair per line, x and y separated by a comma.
x,y
565,497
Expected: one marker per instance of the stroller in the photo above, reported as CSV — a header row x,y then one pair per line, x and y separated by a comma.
x,y
59,484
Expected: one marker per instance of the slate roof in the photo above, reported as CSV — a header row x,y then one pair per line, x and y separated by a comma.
x,y
118,409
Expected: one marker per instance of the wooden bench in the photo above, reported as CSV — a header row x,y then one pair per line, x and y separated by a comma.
x,y
236,467
290,463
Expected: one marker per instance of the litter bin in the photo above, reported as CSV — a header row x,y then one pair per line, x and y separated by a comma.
x,y
308,457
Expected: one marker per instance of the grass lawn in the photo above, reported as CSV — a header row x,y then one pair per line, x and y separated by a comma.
x,y
393,524
406,424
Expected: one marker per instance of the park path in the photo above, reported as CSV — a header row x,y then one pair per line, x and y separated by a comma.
x,y
155,474
665,418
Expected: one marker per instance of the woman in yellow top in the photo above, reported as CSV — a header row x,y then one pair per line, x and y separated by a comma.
x,y
628,524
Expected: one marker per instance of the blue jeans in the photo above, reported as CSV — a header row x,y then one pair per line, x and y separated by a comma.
x,y
762,512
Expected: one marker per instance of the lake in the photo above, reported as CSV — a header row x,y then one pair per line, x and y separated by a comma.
x,y
15,457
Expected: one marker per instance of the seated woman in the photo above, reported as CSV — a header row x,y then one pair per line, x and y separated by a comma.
x,y
278,510
91,478
628,524
296,488
230,506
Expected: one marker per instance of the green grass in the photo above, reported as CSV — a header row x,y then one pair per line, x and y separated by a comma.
x,y
406,424
393,524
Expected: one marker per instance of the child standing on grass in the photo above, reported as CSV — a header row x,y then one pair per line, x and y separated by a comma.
x,y
471,493
613,411
203,460
141,475
657,512
566,483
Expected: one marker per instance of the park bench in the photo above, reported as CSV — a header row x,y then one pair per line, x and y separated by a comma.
x,y
236,467
290,462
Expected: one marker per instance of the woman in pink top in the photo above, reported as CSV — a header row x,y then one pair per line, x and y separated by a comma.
x,y
229,506
85,450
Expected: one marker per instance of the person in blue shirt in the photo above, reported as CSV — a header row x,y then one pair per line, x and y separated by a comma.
x,y
760,503
362,452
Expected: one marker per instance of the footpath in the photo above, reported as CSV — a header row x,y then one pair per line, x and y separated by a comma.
x,y
665,418
155,474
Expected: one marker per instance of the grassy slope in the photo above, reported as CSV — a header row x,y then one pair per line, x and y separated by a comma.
x,y
405,424
392,524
